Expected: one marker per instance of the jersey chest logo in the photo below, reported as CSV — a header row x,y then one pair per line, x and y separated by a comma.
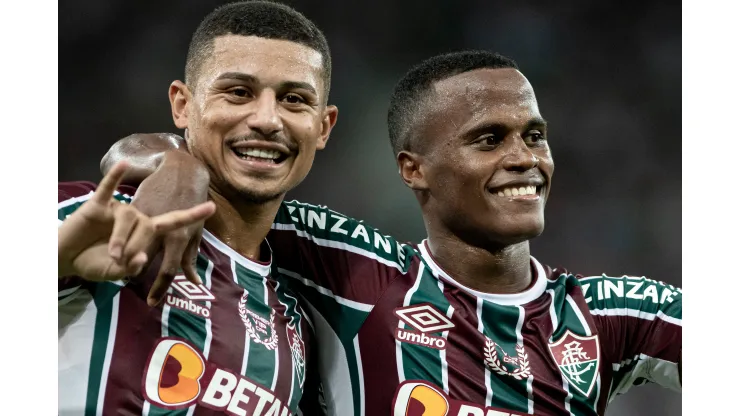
x,y
424,320
577,358
189,297
259,329
517,367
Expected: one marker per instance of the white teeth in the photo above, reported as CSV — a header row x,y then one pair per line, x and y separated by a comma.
x,y
520,191
260,153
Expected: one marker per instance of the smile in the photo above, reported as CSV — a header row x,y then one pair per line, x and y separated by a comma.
x,y
259,155
519,191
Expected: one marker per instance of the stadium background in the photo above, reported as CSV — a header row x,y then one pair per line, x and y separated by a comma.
x,y
607,77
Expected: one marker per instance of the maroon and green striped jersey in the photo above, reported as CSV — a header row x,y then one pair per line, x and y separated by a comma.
x,y
237,344
397,335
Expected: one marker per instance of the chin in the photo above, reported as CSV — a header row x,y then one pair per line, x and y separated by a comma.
x,y
257,193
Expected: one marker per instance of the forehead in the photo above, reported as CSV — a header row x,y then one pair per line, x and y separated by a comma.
x,y
269,60
503,95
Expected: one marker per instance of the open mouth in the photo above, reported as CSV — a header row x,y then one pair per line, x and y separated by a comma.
x,y
260,155
513,191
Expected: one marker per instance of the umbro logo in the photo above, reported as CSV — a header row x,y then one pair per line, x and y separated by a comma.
x,y
425,319
190,292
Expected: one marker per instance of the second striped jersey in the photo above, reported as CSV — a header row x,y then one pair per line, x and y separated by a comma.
x,y
397,335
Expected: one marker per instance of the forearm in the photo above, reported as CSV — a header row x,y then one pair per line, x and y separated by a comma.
x,y
144,153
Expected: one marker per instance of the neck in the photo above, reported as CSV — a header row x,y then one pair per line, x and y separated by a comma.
x,y
501,270
242,225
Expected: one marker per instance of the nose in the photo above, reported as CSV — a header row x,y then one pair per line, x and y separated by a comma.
x,y
519,156
265,117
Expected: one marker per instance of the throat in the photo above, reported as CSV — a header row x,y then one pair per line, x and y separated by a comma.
x,y
505,271
243,226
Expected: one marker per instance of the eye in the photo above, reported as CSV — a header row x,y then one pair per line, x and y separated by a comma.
x,y
293,98
535,136
489,139
240,92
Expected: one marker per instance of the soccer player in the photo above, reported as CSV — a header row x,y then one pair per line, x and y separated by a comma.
x,y
254,102
466,321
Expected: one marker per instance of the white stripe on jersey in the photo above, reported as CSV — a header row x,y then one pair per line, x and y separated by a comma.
x,y
337,244
635,313
365,307
277,356
74,200
406,302
443,352
479,312
520,341
356,342
554,318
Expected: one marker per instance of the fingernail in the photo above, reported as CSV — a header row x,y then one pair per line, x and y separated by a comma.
x,y
115,251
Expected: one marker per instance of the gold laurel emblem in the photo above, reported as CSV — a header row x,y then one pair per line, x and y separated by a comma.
x,y
270,343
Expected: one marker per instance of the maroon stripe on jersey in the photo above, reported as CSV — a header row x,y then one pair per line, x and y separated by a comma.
x,y
349,275
378,346
227,328
548,394
138,325
466,377
656,338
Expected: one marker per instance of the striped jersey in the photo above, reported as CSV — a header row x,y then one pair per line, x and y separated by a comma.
x,y
237,344
397,335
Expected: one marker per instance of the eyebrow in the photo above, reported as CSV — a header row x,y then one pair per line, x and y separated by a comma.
x,y
285,85
531,124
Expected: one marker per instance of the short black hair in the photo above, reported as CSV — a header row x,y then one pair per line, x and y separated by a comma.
x,y
265,19
408,95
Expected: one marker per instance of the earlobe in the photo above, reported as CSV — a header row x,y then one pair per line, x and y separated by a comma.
x,y
411,171
327,123
179,97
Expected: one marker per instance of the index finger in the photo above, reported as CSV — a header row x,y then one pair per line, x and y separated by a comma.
x,y
110,183
176,219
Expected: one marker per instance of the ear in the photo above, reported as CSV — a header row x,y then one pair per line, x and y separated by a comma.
x,y
180,96
327,123
411,170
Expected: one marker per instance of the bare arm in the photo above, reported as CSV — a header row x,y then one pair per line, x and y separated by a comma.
x,y
168,179
144,153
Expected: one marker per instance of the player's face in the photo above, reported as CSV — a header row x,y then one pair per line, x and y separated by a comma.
x,y
487,163
256,115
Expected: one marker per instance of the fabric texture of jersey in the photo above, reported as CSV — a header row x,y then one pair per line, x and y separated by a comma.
x,y
398,335
237,344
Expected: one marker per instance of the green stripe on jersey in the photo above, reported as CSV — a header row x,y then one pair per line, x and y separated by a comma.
x,y
422,362
504,353
192,327
332,229
261,360
103,294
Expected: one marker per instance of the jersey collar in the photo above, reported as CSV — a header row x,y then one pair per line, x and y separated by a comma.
x,y
533,292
